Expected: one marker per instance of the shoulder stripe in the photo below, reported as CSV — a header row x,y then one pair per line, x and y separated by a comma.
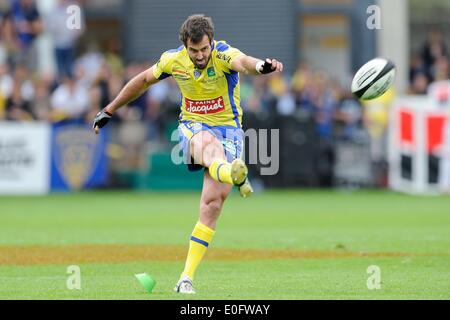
x,y
176,50
222,46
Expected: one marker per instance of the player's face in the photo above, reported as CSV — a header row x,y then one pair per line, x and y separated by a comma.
x,y
199,52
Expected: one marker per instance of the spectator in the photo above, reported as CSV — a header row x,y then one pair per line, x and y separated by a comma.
x,y
19,91
417,66
433,49
20,81
155,115
300,77
419,84
17,107
262,99
102,82
64,39
324,105
22,25
286,103
89,65
349,116
156,96
246,91
41,101
95,106
136,108
440,69
113,58
70,101
253,95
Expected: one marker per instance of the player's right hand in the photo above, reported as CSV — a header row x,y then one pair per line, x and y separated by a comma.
x,y
101,119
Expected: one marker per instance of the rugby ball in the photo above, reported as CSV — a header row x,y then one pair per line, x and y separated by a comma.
x,y
373,79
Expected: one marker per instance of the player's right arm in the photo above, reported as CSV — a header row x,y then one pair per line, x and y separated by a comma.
x,y
132,90
249,65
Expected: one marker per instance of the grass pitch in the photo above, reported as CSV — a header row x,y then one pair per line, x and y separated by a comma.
x,y
275,245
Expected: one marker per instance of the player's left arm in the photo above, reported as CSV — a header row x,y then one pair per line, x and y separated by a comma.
x,y
253,66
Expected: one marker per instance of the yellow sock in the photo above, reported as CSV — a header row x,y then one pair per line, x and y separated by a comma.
x,y
199,242
220,170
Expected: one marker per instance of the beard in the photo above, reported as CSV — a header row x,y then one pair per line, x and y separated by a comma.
x,y
202,64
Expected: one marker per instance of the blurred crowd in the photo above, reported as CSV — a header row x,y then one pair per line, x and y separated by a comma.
x,y
27,93
88,76
429,64
81,83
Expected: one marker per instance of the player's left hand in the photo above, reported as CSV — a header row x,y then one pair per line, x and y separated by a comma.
x,y
271,65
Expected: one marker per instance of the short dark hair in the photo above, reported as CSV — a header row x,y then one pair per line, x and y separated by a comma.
x,y
195,27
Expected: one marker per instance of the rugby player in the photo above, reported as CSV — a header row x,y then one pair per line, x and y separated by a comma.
x,y
210,124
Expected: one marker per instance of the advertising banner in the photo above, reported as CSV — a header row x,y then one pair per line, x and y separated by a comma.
x,y
24,158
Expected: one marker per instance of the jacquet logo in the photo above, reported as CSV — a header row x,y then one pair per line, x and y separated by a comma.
x,y
205,106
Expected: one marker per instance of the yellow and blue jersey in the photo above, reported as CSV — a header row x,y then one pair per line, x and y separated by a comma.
x,y
210,96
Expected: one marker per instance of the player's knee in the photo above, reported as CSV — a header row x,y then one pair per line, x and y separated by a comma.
x,y
202,141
